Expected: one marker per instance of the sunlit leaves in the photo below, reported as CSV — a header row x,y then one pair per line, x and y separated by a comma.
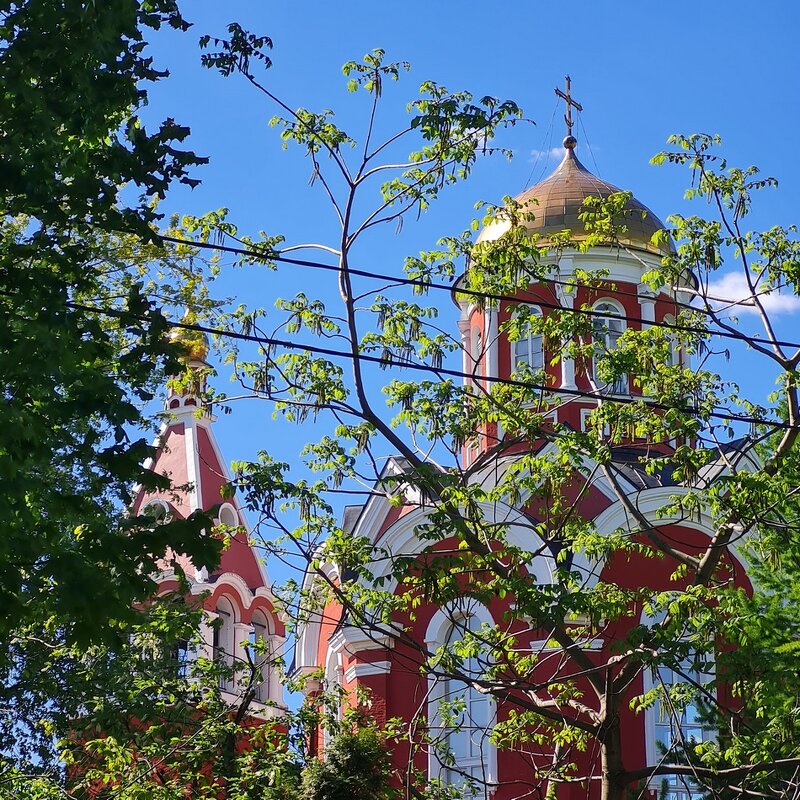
x,y
370,74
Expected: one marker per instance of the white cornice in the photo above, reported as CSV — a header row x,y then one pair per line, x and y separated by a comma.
x,y
368,668
354,640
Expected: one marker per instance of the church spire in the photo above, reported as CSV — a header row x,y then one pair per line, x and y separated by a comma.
x,y
193,346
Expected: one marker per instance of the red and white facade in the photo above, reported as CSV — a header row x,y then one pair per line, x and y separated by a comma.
x,y
391,670
239,607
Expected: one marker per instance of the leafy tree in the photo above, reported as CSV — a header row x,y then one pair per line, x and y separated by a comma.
x,y
83,346
355,768
469,554
188,740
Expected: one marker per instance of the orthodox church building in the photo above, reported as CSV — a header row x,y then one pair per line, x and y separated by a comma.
x,y
391,671
239,603
236,596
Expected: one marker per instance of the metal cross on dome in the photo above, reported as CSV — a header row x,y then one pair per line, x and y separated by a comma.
x,y
567,98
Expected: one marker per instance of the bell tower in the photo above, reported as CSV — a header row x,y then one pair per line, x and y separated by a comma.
x,y
617,300
238,601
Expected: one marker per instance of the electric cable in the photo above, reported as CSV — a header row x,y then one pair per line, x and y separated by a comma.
x,y
271,341
404,281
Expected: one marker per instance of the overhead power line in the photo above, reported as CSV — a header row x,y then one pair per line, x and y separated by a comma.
x,y
271,341
404,281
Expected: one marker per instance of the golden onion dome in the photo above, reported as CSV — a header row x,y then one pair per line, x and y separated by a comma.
x,y
193,344
556,202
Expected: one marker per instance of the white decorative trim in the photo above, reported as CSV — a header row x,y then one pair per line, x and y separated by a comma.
x,y
649,502
621,266
401,538
225,509
354,640
192,462
367,668
463,328
647,304
568,301
443,620
491,341
234,582
308,634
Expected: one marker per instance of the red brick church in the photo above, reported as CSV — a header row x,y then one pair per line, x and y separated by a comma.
x,y
333,651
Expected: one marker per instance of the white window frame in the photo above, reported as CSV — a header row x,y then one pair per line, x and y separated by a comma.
x,y
224,639
679,787
533,343
606,306
440,631
585,412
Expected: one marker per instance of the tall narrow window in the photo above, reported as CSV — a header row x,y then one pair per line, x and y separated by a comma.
x,y
606,331
224,643
181,655
527,351
464,717
676,723
260,656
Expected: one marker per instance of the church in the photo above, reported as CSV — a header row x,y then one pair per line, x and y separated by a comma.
x,y
400,667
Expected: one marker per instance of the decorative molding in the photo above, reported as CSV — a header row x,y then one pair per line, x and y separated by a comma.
x,y
490,344
192,462
647,304
368,668
355,640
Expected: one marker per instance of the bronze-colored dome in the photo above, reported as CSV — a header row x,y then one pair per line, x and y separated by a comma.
x,y
556,202
192,343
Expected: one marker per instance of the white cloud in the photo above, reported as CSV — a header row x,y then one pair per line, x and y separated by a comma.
x,y
732,288
538,155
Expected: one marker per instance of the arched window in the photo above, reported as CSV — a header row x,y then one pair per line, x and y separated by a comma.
x,y
224,642
260,654
461,717
606,331
527,351
675,718
156,510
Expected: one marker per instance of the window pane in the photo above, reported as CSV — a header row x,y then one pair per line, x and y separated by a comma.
x,y
606,333
521,353
527,351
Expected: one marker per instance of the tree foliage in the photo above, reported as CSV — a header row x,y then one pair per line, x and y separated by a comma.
x,y
83,347
155,732
697,617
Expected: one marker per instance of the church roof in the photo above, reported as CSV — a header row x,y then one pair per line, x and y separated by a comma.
x,y
557,201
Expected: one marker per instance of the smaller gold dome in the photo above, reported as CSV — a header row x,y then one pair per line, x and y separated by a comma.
x,y
193,343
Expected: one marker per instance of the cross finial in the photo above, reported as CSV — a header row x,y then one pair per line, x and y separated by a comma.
x,y
570,103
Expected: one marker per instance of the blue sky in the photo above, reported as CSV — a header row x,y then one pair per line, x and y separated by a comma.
x,y
642,70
